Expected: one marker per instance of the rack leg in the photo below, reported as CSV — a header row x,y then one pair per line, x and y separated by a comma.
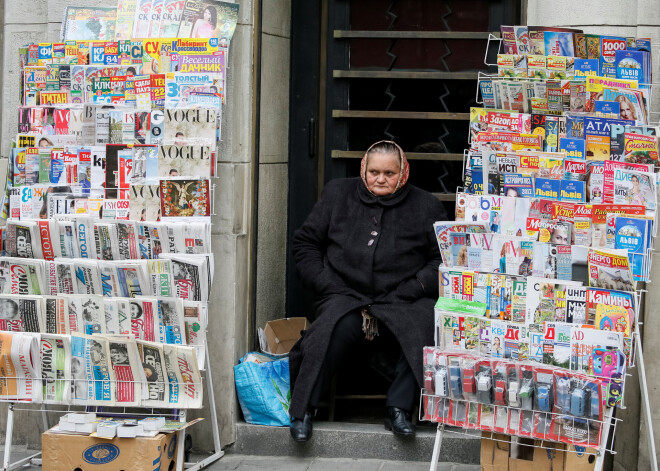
x,y
8,437
180,455
211,395
646,406
607,426
436,447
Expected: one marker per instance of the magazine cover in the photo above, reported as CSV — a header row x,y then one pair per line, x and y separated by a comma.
x,y
209,19
599,353
184,161
142,20
640,148
185,198
632,103
557,343
610,269
85,24
190,127
635,236
171,18
156,18
125,18
634,187
180,85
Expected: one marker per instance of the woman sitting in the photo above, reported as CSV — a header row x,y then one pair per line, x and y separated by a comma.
x,y
368,251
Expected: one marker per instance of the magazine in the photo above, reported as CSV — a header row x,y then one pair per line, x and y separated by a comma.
x,y
55,359
185,198
190,127
610,269
635,188
184,161
85,24
91,373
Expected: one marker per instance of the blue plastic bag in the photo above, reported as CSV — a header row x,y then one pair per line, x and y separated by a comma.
x,y
264,391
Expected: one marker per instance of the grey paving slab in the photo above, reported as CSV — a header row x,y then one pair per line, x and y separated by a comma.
x,y
260,463
344,464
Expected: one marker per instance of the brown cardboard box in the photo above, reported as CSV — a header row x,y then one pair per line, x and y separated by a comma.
x,y
495,453
62,452
282,334
520,456
582,460
534,458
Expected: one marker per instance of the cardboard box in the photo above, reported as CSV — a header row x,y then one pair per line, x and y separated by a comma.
x,y
495,453
520,456
61,452
580,459
282,334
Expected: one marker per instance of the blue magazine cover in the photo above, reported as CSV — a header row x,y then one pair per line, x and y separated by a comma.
x,y
574,148
575,127
634,235
572,191
607,109
633,65
547,188
558,43
487,94
585,67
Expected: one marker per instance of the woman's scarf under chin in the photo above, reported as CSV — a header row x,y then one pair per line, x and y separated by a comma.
x,y
404,169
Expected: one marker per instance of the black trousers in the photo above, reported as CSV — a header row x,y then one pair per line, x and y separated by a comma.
x,y
347,335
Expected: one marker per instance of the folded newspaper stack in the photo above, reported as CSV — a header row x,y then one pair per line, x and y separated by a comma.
x,y
98,370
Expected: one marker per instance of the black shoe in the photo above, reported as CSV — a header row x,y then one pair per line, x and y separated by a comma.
x,y
301,429
398,421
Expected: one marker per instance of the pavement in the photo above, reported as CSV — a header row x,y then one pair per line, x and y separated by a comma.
x,y
285,463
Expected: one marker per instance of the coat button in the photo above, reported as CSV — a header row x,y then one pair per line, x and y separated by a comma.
x,y
370,243
374,233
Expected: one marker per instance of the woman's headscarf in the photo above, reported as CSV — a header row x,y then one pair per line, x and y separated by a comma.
x,y
404,169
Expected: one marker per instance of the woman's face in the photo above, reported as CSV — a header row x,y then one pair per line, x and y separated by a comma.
x,y
626,111
382,173
207,15
118,356
635,181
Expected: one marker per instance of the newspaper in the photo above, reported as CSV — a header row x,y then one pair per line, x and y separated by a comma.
x,y
19,372
191,391
66,244
21,276
193,275
89,313
124,358
160,275
85,236
195,319
20,313
55,368
127,235
87,277
60,275
106,241
22,239
144,318
189,238
151,240
174,378
170,321
91,373
55,311
117,316
156,383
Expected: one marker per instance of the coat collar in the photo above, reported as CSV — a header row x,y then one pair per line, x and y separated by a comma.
x,y
389,200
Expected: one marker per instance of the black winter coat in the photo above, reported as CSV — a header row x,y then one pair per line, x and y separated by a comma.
x,y
396,274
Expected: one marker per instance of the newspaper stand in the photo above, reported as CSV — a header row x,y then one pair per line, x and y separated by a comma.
x,y
120,411
609,423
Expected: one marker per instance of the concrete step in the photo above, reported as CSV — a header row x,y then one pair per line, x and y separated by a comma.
x,y
357,441
283,463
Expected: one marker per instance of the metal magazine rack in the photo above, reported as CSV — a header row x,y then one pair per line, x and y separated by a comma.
x,y
609,423
118,411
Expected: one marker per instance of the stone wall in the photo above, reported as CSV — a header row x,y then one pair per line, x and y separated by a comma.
x,y
638,18
229,307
